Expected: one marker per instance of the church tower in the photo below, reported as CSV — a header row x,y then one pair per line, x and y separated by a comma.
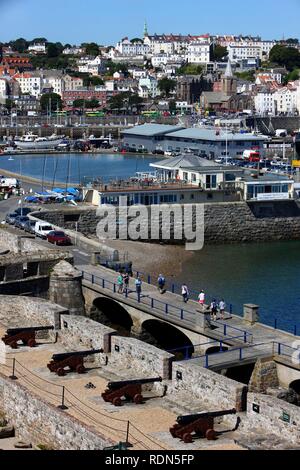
x,y
145,30
229,82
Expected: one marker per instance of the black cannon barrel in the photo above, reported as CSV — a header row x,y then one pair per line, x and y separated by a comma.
x,y
123,383
14,331
189,419
61,356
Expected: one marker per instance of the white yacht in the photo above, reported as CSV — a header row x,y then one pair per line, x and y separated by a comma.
x,y
32,141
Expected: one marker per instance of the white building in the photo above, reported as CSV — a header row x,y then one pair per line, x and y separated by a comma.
x,y
73,51
128,48
244,52
72,83
29,83
198,52
53,79
37,48
285,100
3,90
297,83
138,73
151,84
264,102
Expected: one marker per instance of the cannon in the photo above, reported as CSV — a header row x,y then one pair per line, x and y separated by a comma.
x,y
73,360
130,389
202,424
26,335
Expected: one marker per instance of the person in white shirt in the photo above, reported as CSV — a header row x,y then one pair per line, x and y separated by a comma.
x,y
185,293
201,298
222,306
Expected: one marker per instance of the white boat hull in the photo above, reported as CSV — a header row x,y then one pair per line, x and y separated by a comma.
x,y
45,144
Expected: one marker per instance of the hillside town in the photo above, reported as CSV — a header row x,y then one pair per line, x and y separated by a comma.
x,y
149,230
165,74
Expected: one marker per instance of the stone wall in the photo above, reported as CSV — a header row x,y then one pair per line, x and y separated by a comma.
x,y
18,244
39,422
18,311
141,358
212,389
88,334
264,376
269,414
231,222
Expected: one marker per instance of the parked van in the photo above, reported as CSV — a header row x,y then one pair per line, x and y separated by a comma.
x,y
42,229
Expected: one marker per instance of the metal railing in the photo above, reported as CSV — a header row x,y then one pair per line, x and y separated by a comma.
x,y
170,310
253,351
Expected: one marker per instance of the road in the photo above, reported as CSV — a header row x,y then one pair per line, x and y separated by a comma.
x,y
11,204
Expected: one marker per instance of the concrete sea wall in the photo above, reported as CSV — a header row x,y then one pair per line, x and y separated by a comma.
x,y
225,223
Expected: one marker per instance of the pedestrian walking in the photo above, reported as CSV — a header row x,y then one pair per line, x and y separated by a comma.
x,y
201,298
138,285
222,307
126,280
184,293
161,283
120,283
213,310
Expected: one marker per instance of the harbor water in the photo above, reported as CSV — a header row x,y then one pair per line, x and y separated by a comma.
x,y
76,167
265,274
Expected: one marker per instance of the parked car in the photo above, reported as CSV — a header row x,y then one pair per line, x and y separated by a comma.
x,y
11,218
20,221
58,238
23,211
42,229
29,226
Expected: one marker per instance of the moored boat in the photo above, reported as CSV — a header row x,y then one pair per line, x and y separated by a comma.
x,y
32,141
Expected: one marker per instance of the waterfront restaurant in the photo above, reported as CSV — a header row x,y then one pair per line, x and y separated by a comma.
x,y
266,187
211,143
186,179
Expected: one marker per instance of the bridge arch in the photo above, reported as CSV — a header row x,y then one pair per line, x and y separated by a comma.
x,y
295,386
111,313
167,337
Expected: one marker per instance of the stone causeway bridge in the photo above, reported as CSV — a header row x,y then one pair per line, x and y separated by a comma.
x,y
187,330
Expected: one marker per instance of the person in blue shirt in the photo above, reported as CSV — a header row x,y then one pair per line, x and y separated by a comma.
x,y
161,283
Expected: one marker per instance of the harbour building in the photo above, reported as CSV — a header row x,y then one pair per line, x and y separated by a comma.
x,y
211,143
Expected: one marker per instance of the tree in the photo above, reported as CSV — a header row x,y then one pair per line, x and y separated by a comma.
x,y
91,48
117,101
9,104
125,100
166,85
39,41
113,67
52,100
79,103
135,40
94,81
172,106
190,69
292,76
248,75
20,45
218,52
288,57
292,41
93,103
52,50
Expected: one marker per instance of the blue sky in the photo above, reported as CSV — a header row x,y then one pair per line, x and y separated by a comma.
x,y
105,21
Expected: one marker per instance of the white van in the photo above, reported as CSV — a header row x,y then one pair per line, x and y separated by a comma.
x,y
42,229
